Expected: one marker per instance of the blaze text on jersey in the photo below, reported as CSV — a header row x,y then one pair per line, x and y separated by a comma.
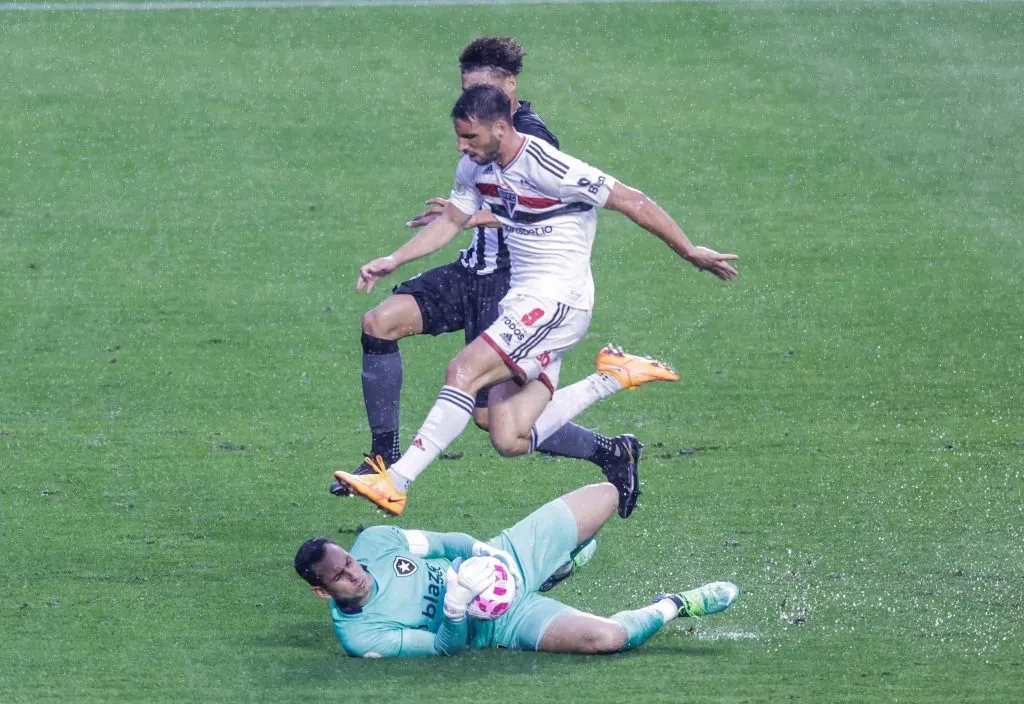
x,y
433,594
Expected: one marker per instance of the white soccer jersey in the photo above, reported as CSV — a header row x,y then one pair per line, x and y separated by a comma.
x,y
546,202
487,252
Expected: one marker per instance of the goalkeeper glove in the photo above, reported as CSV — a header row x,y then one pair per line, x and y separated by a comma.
x,y
481,549
472,578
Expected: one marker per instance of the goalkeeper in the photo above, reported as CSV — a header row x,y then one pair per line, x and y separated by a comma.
x,y
396,594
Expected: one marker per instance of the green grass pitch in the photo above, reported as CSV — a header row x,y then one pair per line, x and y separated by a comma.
x,y
185,198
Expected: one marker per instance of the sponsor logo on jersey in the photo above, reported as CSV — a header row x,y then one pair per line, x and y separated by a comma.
x,y
507,337
513,326
529,231
404,566
418,443
509,198
431,598
594,187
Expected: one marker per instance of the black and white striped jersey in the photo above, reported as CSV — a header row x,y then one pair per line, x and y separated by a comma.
x,y
487,251
547,204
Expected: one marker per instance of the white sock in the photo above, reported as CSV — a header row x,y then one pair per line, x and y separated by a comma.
x,y
667,607
570,401
445,422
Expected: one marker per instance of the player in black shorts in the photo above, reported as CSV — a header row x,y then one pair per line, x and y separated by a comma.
x,y
464,295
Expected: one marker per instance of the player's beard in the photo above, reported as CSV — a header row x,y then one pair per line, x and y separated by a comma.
x,y
489,154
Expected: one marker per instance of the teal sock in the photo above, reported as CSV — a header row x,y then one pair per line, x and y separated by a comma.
x,y
641,624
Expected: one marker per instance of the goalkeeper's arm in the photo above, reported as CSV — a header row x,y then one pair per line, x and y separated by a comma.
x,y
451,546
460,588
454,546
474,577
451,638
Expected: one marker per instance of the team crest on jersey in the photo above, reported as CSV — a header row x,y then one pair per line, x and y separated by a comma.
x,y
404,566
509,198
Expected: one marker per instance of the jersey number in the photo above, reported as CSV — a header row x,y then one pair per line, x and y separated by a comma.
x,y
533,316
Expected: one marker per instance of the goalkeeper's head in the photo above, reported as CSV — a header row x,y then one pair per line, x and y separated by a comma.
x,y
332,572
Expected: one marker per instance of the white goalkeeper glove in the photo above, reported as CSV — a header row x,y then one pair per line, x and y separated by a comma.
x,y
472,578
483,549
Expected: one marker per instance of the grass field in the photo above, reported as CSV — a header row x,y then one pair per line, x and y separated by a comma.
x,y
185,198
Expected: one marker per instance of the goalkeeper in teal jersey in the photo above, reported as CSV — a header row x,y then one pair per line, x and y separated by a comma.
x,y
404,593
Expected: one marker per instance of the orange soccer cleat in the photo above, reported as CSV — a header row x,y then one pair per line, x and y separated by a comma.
x,y
377,487
633,370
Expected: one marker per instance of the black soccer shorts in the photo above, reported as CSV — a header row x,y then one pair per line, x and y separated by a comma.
x,y
452,298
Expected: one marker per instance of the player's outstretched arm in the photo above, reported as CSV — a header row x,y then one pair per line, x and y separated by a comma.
x,y
482,218
636,206
427,241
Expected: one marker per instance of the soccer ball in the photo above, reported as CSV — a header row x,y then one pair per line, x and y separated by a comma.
x,y
494,601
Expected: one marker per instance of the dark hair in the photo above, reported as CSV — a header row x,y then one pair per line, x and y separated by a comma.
x,y
311,552
483,103
500,54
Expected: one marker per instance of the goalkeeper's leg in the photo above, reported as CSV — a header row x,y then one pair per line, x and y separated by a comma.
x,y
578,632
587,634
592,506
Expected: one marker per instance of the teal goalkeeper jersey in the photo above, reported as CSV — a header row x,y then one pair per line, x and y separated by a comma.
x,y
405,607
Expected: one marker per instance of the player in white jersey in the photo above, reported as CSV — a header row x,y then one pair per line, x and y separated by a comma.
x,y
545,201
465,295
547,309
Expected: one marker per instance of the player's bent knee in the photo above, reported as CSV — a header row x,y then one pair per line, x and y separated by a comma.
x,y
508,445
461,374
509,450
391,320
481,418
608,639
375,324
598,643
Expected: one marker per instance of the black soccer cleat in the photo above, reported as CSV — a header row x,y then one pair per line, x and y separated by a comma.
x,y
623,473
340,488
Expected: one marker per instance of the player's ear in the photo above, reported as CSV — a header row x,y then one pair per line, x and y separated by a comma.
x,y
321,592
511,83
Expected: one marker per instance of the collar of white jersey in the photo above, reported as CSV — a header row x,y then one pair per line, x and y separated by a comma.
x,y
522,148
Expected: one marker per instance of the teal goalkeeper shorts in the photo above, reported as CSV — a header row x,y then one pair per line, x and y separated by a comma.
x,y
541,543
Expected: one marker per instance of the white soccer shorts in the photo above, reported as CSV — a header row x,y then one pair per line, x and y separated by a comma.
x,y
532,333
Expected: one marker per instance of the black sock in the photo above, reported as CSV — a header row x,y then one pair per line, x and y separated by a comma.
x,y
382,388
606,450
386,444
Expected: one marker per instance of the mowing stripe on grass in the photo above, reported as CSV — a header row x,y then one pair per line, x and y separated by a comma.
x,y
283,4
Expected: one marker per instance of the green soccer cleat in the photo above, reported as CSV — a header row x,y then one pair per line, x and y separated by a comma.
x,y
709,599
